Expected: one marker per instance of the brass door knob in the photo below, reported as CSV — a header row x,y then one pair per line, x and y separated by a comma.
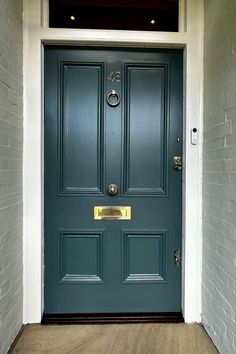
x,y
112,189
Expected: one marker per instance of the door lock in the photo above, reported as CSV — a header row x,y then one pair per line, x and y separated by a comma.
x,y
177,257
177,163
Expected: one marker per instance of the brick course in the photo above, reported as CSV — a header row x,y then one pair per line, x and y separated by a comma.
x,y
11,135
219,175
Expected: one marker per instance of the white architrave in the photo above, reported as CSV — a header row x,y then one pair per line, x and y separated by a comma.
x,y
190,37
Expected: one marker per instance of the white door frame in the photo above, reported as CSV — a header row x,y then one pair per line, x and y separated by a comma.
x,y
190,38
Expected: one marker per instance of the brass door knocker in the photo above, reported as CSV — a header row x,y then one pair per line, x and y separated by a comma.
x,y
113,98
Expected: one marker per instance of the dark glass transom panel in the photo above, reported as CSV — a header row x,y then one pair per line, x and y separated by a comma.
x,y
143,15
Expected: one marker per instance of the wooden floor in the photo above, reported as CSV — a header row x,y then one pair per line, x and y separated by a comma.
x,y
115,339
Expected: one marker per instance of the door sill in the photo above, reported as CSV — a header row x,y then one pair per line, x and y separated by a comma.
x,y
103,318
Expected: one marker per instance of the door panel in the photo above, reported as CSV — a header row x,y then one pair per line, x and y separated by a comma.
x,y
145,119
82,128
81,256
144,256
112,266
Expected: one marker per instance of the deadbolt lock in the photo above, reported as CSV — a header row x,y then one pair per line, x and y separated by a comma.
x,y
177,163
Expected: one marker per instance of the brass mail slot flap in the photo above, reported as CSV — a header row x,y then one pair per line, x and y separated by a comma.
x,y
112,213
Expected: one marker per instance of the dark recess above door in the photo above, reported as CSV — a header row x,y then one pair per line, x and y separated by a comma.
x,y
149,15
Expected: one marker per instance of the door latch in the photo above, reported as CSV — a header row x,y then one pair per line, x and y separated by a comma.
x,y
177,257
177,163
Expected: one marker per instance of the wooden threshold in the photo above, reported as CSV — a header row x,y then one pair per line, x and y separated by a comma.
x,y
103,318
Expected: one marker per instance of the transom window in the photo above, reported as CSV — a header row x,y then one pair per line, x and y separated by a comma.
x,y
143,15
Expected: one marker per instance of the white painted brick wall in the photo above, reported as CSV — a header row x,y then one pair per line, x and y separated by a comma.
x,y
11,134
219,175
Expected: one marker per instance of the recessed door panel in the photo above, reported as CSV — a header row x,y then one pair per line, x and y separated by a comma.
x,y
113,125
81,256
81,128
145,128
144,256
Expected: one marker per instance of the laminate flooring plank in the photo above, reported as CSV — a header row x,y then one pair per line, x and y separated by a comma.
x,y
115,339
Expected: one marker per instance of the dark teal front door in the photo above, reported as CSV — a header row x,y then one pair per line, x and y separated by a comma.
x,y
92,141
